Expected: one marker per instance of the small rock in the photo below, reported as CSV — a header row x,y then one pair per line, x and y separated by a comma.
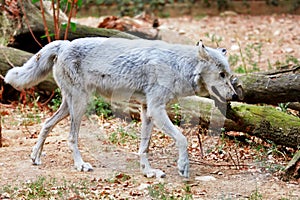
x,y
289,50
181,32
234,47
276,33
205,178
220,173
106,125
143,186
228,14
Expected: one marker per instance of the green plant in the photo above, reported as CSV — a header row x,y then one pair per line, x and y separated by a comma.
x,y
99,107
159,191
176,109
214,38
283,107
121,136
255,195
251,56
70,8
56,100
252,51
291,59
233,60
37,189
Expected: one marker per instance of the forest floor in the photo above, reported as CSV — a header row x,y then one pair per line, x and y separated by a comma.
x,y
230,169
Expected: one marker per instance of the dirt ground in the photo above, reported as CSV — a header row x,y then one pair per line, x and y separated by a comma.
x,y
110,155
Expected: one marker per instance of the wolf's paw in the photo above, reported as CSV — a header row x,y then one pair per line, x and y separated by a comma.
x,y
184,168
151,173
36,160
84,167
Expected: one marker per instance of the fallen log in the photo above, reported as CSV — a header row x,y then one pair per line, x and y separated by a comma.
x,y
265,122
271,88
11,57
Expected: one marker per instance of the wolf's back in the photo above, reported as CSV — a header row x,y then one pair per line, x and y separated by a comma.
x,y
37,67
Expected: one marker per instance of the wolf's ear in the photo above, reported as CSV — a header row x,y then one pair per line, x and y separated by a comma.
x,y
223,51
202,51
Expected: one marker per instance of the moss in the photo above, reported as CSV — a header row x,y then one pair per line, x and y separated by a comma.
x,y
256,114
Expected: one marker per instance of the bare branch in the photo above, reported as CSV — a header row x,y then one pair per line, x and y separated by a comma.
x,y
44,21
27,24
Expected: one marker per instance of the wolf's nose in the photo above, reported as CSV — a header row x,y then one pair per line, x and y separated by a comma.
x,y
235,97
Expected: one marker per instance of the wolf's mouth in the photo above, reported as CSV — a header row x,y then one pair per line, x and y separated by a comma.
x,y
218,95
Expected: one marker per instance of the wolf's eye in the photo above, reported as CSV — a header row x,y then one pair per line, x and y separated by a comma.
x,y
222,74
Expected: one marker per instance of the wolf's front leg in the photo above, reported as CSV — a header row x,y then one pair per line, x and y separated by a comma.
x,y
163,122
147,126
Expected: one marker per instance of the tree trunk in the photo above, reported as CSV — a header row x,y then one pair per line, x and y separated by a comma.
x,y
15,32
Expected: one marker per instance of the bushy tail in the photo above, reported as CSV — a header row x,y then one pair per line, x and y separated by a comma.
x,y
36,68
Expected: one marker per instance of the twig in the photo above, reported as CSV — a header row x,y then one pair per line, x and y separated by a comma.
x,y
1,131
196,162
294,69
6,58
27,129
69,19
233,160
44,21
237,157
56,18
27,24
47,101
200,144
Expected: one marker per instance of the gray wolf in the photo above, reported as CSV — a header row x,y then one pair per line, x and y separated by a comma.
x,y
151,72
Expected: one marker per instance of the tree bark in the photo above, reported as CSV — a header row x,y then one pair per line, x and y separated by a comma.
x,y
271,88
265,122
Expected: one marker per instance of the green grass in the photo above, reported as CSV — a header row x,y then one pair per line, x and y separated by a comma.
x,y
100,107
121,136
160,191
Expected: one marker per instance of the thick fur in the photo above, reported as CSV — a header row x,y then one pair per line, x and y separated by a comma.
x,y
151,72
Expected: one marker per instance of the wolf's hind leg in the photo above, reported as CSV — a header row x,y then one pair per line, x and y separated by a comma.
x,y
60,114
78,104
163,122
147,126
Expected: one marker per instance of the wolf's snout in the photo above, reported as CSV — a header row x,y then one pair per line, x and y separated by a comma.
x,y
239,95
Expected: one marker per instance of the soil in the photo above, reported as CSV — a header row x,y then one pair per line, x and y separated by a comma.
x,y
230,172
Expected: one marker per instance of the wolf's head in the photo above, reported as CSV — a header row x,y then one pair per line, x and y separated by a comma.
x,y
215,74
